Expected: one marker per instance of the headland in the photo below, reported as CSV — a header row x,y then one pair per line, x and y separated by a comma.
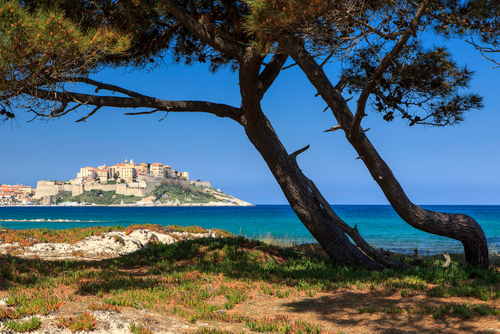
x,y
122,184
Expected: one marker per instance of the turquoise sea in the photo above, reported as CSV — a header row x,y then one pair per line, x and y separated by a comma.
x,y
378,224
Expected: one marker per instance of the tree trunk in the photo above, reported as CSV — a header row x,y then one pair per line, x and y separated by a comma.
x,y
456,226
287,174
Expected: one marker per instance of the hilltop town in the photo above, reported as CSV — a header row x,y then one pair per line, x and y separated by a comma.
x,y
127,172
127,183
16,194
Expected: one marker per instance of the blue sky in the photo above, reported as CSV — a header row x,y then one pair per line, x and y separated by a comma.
x,y
454,165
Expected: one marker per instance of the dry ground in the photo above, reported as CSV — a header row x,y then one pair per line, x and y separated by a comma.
x,y
335,310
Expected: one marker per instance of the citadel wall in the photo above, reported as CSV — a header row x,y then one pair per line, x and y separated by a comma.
x,y
139,189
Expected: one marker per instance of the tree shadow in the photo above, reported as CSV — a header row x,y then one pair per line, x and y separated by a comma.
x,y
341,309
236,258
161,266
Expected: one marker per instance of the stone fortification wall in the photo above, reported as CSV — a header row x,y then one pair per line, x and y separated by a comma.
x,y
140,189
124,189
150,186
103,187
52,188
49,188
76,189
158,181
202,184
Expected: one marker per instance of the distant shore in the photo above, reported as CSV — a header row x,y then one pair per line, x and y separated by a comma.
x,y
133,204
129,204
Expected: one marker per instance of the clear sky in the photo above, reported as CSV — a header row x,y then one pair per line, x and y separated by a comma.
x,y
454,165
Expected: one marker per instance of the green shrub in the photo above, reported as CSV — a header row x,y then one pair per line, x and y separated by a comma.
x,y
97,196
174,191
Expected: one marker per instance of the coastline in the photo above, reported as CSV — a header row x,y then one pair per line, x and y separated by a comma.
x,y
210,204
380,225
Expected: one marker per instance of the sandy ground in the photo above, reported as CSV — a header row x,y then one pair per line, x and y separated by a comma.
x,y
335,311
112,244
108,245
110,322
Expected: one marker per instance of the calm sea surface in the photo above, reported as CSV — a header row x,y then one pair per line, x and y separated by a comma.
x,y
378,224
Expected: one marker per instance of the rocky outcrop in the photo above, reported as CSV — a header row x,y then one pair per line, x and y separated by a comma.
x,y
107,245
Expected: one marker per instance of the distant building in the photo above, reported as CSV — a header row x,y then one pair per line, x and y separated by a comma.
x,y
128,171
87,172
157,169
102,174
15,194
127,174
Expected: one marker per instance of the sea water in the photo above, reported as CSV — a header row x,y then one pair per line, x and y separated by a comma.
x,y
378,224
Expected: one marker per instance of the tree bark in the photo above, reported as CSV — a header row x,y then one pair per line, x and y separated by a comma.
x,y
456,226
288,175
353,233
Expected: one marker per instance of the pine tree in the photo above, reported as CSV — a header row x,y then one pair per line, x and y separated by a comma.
x,y
48,45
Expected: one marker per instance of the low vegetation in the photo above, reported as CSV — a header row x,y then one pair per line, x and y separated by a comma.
x,y
139,329
172,192
73,235
23,326
83,321
233,284
97,196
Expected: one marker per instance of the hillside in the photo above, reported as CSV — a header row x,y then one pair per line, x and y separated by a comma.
x,y
165,194
181,194
96,196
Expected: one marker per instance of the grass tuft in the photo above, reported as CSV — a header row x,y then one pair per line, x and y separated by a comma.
x,y
24,326
84,321
137,329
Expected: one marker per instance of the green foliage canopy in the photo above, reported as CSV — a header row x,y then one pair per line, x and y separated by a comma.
x,y
47,44
45,48
423,84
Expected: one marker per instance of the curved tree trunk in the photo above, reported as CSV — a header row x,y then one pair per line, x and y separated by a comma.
x,y
456,226
288,175
384,259
253,85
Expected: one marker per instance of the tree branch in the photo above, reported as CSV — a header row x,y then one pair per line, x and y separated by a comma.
x,y
377,75
65,111
218,109
391,35
101,85
289,66
141,113
271,72
83,119
483,50
231,48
